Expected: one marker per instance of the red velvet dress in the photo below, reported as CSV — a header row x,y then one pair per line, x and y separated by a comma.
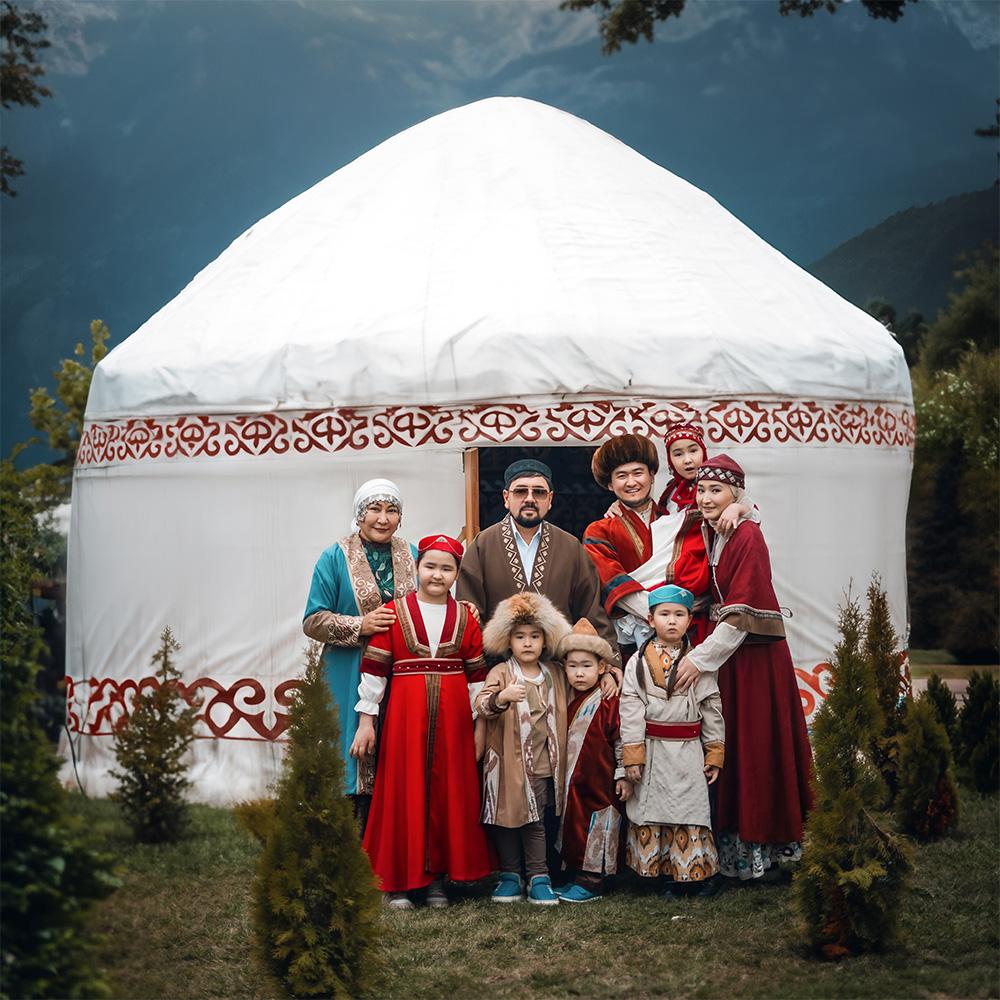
x,y
590,835
424,817
763,790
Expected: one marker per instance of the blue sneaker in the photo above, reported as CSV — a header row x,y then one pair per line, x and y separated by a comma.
x,y
508,889
577,894
540,891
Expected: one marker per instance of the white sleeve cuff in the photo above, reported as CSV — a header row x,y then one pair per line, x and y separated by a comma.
x,y
717,648
474,688
370,693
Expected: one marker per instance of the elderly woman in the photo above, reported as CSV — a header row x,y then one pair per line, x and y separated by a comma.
x,y
353,581
763,791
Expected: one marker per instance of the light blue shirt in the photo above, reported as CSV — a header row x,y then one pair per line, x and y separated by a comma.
x,y
526,550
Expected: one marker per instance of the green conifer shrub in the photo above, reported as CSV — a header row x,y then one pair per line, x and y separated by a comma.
x,y
317,911
51,874
881,649
945,706
256,816
854,872
151,746
979,732
927,801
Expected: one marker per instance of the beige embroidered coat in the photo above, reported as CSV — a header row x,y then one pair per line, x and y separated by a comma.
x,y
506,800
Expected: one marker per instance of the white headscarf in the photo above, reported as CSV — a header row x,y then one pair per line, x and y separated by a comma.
x,y
375,491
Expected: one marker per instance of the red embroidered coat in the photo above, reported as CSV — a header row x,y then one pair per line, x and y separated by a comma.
x,y
590,833
763,791
424,818
620,542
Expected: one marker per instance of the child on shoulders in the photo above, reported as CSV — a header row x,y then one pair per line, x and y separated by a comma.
x,y
590,833
673,749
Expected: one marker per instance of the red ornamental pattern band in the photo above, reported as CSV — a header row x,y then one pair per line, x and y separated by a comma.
x,y
222,708
328,431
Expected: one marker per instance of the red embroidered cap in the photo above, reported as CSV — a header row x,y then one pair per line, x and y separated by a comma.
x,y
686,432
722,469
443,544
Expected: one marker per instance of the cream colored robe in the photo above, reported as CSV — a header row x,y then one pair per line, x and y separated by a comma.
x,y
673,788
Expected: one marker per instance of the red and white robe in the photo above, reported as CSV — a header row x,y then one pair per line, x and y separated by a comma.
x,y
590,834
424,818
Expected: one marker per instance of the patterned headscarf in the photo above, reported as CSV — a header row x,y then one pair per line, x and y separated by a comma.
x,y
722,469
375,491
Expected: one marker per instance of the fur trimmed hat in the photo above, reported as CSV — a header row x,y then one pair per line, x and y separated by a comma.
x,y
524,609
584,637
623,449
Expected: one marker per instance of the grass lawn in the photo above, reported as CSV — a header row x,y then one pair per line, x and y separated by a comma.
x,y
181,927
924,662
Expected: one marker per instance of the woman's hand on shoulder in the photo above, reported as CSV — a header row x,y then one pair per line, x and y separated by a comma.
x,y
687,674
380,620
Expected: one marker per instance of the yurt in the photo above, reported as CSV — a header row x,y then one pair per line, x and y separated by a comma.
x,y
499,278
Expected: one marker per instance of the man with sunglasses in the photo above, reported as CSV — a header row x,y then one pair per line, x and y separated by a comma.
x,y
526,552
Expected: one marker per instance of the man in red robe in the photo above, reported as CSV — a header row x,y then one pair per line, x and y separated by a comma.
x,y
622,541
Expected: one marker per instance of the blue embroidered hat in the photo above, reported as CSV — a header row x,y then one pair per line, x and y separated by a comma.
x,y
669,594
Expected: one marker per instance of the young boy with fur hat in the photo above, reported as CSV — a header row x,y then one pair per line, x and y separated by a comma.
x,y
673,748
590,834
524,704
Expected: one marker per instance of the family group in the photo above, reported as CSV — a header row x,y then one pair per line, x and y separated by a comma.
x,y
630,697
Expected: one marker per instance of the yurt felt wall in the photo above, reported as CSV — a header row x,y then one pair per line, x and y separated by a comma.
x,y
501,275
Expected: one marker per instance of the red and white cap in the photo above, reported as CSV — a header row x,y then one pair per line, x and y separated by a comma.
x,y
443,544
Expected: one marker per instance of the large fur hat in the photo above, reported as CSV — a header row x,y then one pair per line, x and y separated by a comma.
x,y
523,609
584,636
623,450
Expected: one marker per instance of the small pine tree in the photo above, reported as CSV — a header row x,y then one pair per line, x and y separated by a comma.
x,y
881,649
979,732
927,801
945,706
317,918
854,873
51,874
150,746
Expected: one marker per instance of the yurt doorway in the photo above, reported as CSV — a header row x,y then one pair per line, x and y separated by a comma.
x,y
578,500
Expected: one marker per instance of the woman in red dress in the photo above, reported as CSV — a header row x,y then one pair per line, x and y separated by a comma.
x,y
764,790
424,818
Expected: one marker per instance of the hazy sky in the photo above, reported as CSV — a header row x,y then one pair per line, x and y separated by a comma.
x,y
175,126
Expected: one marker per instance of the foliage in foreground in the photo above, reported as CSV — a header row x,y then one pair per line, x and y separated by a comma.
x,y
150,746
317,917
854,873
50,874
881,650
927,803
979,731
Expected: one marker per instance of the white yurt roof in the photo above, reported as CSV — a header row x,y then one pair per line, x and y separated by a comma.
x,y
498,250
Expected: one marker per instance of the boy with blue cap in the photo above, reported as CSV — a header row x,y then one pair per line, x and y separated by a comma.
x,y
673,746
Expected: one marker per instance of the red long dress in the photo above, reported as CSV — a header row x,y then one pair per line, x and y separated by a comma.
x,y
763,790
424,817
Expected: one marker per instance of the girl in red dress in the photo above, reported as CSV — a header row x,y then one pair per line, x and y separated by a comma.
x,y
424,818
